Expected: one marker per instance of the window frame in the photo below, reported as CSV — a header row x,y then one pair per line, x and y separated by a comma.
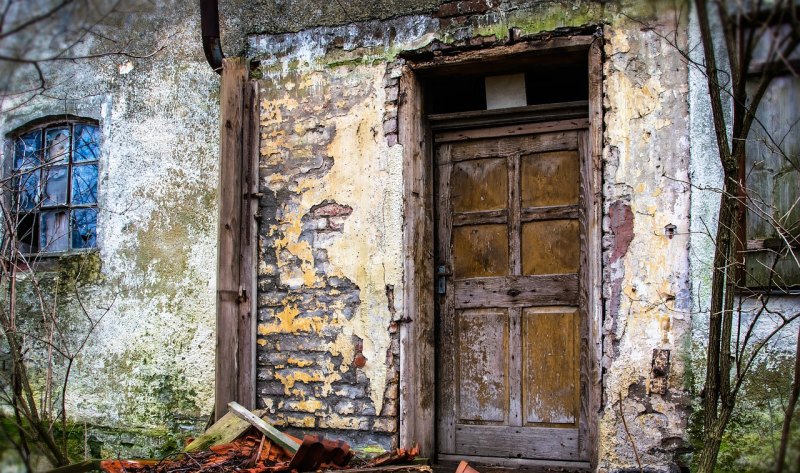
x,y
12,172
750,247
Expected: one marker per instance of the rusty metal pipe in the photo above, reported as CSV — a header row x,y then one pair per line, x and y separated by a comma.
x,y
209,27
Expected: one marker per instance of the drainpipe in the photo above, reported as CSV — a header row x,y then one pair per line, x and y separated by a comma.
x,y
209,26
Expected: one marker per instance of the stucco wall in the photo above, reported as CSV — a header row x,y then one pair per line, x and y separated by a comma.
x,y
146,374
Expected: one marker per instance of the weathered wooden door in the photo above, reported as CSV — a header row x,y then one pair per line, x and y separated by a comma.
x,y
510,310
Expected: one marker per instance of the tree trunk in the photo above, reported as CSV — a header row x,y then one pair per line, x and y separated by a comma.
x,y
717,397
712,442
787,419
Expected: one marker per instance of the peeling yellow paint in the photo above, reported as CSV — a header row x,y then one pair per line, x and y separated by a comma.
x,y
334,421
298,362
307,422
365,175
288,322
310,405
288,380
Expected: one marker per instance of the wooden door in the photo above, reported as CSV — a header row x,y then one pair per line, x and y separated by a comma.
x,y
510,314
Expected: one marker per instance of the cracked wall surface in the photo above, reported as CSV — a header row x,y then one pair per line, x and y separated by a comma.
x,y
646,283
645,279
327,358
145,379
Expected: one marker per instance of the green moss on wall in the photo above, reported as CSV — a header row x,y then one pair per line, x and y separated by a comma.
x,y
751,441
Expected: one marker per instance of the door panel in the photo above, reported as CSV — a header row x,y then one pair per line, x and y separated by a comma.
x,y
550,178
550,372
483,366
480,250
550,247
508,255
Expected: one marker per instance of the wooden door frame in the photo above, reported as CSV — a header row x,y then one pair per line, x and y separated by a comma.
x,y
237,239
417,333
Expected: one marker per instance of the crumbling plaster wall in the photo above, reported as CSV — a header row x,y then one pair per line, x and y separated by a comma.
x,y
646,279
146,375
330,234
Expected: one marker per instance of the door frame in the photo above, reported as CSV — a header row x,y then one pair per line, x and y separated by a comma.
x,y
417,333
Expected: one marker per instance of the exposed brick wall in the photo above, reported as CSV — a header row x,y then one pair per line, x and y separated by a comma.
x,y
313,373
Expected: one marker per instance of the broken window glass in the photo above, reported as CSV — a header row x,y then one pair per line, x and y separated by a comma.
x,y
84,184
27,228
55,170
84,228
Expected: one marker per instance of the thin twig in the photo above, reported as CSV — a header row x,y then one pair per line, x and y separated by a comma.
x,y
630,437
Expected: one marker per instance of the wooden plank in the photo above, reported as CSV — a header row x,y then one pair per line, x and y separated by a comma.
x,y
481,149
417,384
513,130
509,116
515,376
543,443
482,366
503,465
550,179
482,217
436,118
479,184
271,432
515,256
551,247
518,55
234,72
532,214
551,391
225,430
516,291
514,252
447,353
480,251
390,469
773,193
584,301
591,272
246,338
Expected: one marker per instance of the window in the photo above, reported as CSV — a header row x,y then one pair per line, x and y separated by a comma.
x,y
772,169
54,176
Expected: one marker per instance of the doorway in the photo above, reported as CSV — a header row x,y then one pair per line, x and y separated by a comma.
x,y
505,285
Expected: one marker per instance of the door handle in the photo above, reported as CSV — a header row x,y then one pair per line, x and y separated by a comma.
x,y
441,279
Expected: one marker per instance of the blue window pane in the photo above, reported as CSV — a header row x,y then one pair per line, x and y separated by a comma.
x,y
27,149
87,143
56,145
84,228
27,190
54,228
84,184
55,185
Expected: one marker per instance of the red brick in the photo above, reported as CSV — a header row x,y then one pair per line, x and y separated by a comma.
x,y
331,209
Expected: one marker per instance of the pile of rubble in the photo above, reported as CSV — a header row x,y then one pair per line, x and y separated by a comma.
x,y
241,441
